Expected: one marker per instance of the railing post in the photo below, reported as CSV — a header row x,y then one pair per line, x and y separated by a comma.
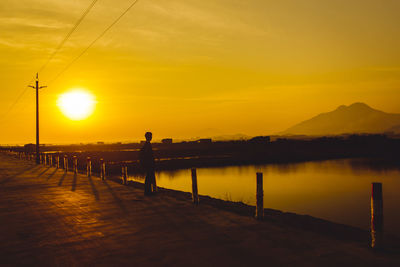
x,y
41,158
195,192
57,161
376,216
124,174
65,163
102,169
51,160
44,159
75,164
88,167
260,197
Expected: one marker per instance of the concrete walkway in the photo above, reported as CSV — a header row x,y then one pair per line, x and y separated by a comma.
x,y
51,218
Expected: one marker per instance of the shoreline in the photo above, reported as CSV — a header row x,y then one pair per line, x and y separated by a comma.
x,y
184,155
54,218
300,221
291,220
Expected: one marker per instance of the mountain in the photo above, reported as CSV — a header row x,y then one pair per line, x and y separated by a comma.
x,y
356,118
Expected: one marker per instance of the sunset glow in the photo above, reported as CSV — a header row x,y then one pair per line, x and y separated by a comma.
x,y
209,133
77,104
186,69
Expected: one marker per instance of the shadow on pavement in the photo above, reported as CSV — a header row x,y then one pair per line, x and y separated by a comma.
x,y
95,192
9,178
74,183
117,200
43,172
62,179
51,174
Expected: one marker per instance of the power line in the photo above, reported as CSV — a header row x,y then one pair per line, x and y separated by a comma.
x,y
16,100
68,35
93,42
53,54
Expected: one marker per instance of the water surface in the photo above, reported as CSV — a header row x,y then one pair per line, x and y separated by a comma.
x,y
336,190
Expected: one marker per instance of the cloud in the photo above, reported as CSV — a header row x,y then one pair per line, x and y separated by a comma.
x,y
32,22
206,16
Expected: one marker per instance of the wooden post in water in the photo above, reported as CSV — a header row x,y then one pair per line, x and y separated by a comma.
x,y
57,161
195,192
124,174
102,169
260,197
65,163
88,167
75,164
376,216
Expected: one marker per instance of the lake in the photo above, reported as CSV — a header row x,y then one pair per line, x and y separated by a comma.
x,y
336,190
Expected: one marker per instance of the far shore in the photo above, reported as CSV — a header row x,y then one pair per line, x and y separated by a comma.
x,y
207,153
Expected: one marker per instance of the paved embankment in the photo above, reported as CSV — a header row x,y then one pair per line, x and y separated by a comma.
x,y
48,217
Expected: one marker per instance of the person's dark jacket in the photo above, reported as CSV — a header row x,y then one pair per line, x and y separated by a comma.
x,y
146,157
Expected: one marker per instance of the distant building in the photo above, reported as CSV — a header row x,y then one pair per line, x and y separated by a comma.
x,y
167,141
100,143
29,148
205,141
260,139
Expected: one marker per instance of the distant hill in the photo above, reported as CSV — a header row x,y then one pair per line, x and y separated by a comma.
x,y
356,118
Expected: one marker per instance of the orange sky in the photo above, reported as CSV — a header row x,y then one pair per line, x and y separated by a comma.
x,y
185,68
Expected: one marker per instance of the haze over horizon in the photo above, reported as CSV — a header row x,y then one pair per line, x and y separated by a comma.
x,y
183,69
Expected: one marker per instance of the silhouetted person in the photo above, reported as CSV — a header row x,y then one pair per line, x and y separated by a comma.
x,y
147,164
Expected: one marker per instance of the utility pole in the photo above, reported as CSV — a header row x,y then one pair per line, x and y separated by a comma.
x,y
37,87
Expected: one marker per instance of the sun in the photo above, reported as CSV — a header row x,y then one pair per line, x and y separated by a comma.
x,y
76,104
